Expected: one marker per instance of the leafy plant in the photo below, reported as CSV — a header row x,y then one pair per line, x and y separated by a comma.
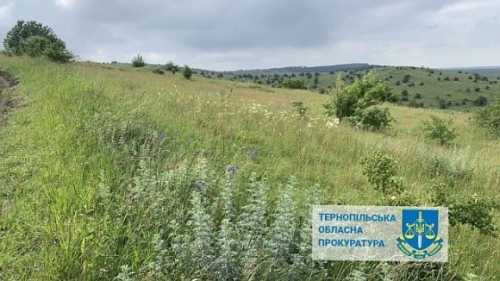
x,y
294,84
489,118
158,71
138,61
170,66
35,39
473,210
439,129
372,118
352,102
187,72
381,170
300,108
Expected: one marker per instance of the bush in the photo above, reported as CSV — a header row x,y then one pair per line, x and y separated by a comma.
x,y
170,66
439,129
454,170
35,46
474,211
353,101
358,96
372,118
36,40
187,72
480,101
294,84
489,118
158,71
57,52
300,108
138,61
381,172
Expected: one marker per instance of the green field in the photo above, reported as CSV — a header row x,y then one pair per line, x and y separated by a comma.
x,y
97,162
450,89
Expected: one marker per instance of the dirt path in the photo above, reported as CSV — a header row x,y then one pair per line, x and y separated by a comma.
x,y
7,100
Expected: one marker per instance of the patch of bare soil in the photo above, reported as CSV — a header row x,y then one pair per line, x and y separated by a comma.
x,y
7,100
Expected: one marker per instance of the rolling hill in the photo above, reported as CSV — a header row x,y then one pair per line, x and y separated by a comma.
x,y
461,89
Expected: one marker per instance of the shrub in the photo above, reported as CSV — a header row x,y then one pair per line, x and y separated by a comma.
x,y
158,71
57,52
138,61
294,84
474,211
439,129
170,66
372,118
455,169
489,118
300,108
480,101
15,38
187,72
381,171
35,46
443,104
34,39
358,96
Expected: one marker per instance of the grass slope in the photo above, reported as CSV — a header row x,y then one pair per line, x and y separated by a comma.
x,y
434,85
71,153
455,89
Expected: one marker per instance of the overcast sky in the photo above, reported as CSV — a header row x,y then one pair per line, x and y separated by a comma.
x,y
236,34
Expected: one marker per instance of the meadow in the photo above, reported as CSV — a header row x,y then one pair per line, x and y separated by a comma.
x,y
99,165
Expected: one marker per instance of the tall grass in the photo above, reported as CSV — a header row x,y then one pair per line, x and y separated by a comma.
x,y
101,170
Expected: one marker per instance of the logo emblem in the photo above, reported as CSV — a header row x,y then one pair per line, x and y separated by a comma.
x,y
419,237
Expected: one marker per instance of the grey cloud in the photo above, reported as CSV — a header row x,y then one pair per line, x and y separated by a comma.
x,y
258,33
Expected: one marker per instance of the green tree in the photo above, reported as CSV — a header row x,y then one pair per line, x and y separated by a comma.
x,y
360,95
138,61
187,72
35,39
439,129
35,46
170,66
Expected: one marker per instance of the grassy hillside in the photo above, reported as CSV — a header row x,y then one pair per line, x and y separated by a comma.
x,y
441,88
418,87
98,163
